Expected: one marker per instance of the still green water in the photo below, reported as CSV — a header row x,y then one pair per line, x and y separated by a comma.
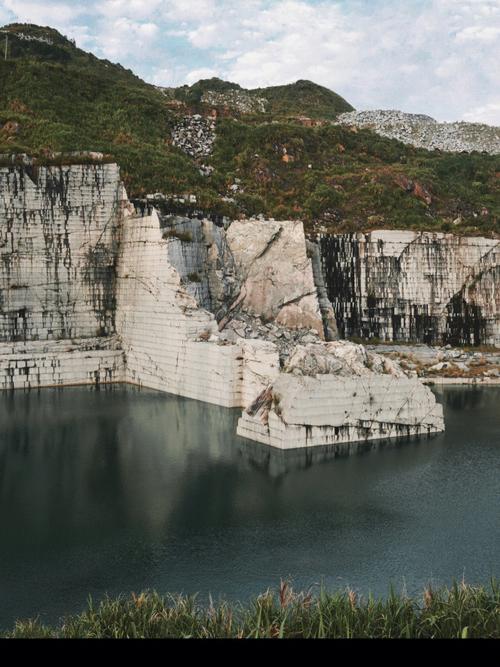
x,y
121,490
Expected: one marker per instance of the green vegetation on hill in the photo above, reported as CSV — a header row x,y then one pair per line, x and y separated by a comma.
x,y
461,612
192,94
341,180
51,102
55,97
295,99
303,98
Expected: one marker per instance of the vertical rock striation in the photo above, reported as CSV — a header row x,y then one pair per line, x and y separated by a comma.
x,y
58,244
414,286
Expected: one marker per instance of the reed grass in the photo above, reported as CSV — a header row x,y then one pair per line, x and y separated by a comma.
x,y
461,612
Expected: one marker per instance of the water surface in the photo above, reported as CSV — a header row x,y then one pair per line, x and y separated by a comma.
x,y
121,490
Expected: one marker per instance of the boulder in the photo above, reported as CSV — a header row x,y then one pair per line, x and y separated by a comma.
x,y
338,393
277,282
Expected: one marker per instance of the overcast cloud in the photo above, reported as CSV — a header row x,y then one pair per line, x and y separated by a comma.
x,y
439,57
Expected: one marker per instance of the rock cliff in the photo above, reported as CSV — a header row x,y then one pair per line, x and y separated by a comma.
x,y
58,245
94,291
414,286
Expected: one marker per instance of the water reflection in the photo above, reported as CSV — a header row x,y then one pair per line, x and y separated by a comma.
x,y
121,489
277,462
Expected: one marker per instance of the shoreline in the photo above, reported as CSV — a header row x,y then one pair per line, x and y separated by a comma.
x,y
461,381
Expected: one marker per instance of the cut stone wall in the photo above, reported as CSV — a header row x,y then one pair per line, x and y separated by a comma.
x,y
169,342
93,361
354,396
58,245
93,293
414,286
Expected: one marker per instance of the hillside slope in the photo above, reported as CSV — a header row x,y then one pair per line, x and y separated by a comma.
x,y
272,151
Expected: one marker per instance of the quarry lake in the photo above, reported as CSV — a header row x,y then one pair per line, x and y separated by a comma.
x,y
122,489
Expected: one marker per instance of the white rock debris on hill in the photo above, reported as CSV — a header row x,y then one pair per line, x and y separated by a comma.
x,y
92,292
195,135
425,132
238,100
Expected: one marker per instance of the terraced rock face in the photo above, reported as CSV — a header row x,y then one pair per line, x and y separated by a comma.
x,y
94,291
425,132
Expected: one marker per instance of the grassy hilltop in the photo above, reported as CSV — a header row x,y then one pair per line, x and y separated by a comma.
x,y
55,97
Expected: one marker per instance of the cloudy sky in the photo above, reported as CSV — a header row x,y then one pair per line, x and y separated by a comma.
x,y
439,57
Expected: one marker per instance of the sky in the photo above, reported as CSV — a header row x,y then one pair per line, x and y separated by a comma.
x,y
438,57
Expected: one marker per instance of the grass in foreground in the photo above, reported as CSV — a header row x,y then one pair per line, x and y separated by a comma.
x,y
460,612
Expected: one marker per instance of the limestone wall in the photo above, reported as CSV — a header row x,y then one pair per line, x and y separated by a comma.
x,y
60,363
338,393
58,233
90,292
169,342
414,286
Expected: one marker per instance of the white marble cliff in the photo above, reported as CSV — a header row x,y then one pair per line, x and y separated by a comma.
x,y
414,286
92,292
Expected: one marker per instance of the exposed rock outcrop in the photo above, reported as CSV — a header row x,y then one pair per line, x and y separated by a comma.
x,y
414,286
159,302
277,282
339,396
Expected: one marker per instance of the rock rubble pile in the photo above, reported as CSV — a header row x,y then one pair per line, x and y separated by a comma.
x,y
431,362
341,358
425,132
195,135
285,339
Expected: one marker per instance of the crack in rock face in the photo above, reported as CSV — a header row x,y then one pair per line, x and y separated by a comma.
x,y
276,273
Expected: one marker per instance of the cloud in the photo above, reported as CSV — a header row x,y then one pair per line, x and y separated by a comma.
x,y
138,10
43,13
197,74
489,114
123,37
